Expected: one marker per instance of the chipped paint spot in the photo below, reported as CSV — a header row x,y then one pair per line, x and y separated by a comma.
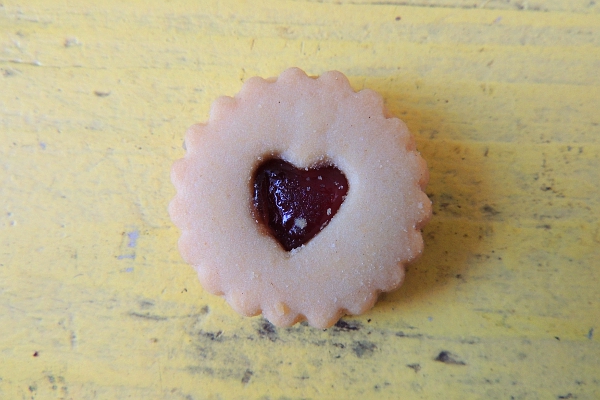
x,y
363,348
133,237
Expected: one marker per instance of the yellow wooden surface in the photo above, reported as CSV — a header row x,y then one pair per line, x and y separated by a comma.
x,y
503,98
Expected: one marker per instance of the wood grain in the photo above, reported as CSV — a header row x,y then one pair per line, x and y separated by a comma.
x,y
503,98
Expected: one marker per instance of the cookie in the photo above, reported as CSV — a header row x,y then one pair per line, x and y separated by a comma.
x,y
300,199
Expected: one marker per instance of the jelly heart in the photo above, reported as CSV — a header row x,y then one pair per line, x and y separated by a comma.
x,y
296,204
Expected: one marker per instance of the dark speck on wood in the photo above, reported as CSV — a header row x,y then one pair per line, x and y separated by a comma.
x,y
448,358
146,304
212,335
566,396
267,330
247,376
345,326
148,316
408,335
416,367
489,210
363,348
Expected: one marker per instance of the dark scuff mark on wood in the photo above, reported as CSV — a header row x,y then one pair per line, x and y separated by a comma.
x,y
566,396
148,316
247,375
448,358
267,330
201,370
145,304
409,335
346,326
415,367
363,348
212,336
8,72
489,210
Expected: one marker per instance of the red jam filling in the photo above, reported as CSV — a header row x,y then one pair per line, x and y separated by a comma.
x,y
296,204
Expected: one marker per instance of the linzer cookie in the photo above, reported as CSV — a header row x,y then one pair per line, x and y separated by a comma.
x,y
300,198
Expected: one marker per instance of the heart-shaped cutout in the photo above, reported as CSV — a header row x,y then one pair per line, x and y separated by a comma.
x,y
296,204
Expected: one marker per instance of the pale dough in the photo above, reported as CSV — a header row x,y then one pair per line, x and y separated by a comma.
x,y
305,121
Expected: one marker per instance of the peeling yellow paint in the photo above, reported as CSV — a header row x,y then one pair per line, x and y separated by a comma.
x,y
503,98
